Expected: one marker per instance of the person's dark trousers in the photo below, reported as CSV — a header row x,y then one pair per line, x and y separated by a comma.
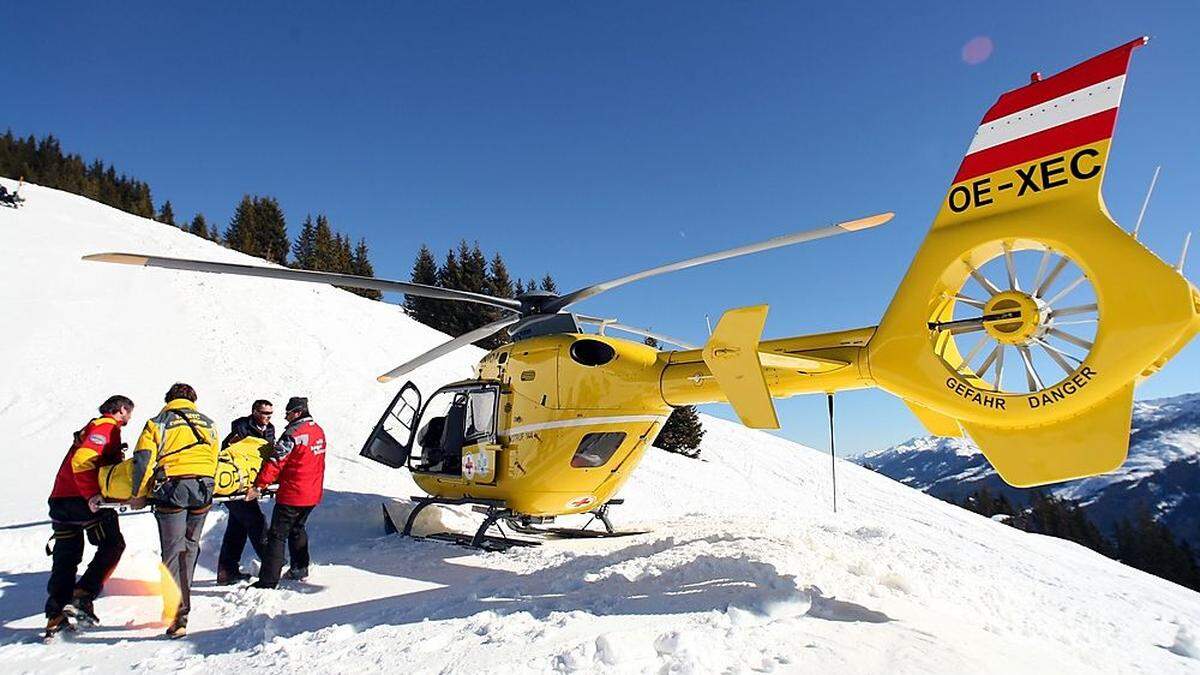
x,y
245,521
180,507
287,525
71,521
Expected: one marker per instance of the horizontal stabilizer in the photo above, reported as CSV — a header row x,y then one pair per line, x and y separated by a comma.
x,y
732,356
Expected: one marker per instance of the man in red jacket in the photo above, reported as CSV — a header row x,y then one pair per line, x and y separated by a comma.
x,y
75,513
298,465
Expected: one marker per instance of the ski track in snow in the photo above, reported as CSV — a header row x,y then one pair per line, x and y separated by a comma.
x,y
746,568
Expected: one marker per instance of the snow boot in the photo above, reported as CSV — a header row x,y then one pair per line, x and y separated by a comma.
x,y
297,574
81,609
178,628
56,624
261,584
231,578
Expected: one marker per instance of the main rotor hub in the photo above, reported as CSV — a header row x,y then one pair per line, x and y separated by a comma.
x,y
1021,329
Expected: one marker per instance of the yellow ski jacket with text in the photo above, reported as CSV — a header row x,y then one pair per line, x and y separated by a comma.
x,y
180,440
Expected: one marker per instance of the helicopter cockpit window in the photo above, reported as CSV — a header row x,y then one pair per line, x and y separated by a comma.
x,y
597,448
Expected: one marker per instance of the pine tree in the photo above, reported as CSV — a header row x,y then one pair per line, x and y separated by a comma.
x,y
446,315
548,284
682,432
518,288
271,235
360,265
304,249
239,236
499,283
167,214
199,226
425,272
325,246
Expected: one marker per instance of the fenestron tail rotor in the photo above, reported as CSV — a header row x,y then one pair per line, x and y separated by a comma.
x,y
1022,320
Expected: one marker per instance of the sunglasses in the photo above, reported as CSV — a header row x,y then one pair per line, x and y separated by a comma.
x,y
268,413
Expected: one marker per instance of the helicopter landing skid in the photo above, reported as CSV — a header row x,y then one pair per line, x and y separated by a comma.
x,y
497,515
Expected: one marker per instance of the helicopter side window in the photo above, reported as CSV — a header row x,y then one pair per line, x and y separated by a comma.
x,y
596,449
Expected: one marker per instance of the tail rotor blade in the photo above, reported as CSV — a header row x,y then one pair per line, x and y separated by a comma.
x,y
787,240
448,347
306,276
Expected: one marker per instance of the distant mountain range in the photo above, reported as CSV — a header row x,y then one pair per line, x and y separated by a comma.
x,y
1161,474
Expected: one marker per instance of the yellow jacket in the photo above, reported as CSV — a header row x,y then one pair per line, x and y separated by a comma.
x,y
180,440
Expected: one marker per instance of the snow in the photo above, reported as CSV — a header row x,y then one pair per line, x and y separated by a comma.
x,y
746,568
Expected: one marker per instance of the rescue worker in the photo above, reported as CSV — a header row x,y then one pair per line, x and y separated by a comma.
x,y
180,447
75,512
298,466
245,518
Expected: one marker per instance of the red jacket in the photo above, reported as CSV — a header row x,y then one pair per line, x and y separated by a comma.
x,y
97,444
297,464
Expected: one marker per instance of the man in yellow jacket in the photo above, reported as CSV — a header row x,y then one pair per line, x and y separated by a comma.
x,y
179,447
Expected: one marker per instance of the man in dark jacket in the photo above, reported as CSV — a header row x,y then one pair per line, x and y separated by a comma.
x,y
298,466
246,519
75,513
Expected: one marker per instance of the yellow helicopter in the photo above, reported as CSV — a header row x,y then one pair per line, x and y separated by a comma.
x,y
1024,321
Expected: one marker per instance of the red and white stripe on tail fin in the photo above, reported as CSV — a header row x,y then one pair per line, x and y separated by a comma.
x,y
1039,140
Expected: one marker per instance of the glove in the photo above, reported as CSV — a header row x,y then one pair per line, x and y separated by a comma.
x,y
94,502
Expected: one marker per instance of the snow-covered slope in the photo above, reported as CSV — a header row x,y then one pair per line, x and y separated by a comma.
x,y
746,567
1161,475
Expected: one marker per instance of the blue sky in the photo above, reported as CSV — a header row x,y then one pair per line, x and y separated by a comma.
x,y
593,139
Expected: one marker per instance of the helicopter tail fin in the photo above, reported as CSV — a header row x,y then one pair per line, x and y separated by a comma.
x,y
1028,314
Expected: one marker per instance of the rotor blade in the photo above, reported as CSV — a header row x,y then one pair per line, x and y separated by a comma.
x,y
1011,267
786,240
305,276
447,347
1077,309
1054,272
987,363
967,300
612,323
1031,375
983,281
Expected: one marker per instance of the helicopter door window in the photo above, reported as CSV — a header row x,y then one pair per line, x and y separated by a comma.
x,y
481,416
596,449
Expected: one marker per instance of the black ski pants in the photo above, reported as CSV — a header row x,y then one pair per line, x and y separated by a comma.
x,y
287,524
245,521
72,520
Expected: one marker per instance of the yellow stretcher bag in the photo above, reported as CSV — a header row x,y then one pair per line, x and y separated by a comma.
x,y
237,467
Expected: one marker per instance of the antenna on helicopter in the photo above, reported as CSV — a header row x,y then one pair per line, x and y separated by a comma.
x,y
708,322
1146,202
832,454
1187,239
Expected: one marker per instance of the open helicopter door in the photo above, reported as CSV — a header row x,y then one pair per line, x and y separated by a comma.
x,y
391,441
